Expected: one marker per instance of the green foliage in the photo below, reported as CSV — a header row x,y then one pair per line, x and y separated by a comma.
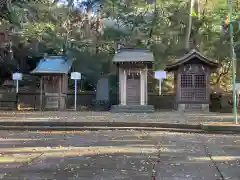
x,y
47,26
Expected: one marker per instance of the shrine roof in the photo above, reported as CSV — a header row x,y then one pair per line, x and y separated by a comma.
x,y
53,65
133,55
189,56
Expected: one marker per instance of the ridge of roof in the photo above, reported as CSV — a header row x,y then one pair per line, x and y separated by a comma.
x,y
188,56
132,48
133,55
53,64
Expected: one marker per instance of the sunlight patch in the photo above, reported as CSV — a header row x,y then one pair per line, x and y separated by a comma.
x,y
16,159
22,139
215,158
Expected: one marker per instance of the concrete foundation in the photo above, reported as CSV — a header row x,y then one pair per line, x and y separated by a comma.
x,y
193,107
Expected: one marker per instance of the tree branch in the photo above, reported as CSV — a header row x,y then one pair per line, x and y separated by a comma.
x,y
223,73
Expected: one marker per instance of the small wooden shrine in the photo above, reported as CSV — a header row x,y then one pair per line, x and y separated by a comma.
x,y
192,75
53,72
133,65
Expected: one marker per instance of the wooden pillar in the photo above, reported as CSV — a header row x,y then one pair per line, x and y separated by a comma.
x,y
124,87
121,86
118,80
59,91
146,85
178,89
207,85
175,89
142,87
41,93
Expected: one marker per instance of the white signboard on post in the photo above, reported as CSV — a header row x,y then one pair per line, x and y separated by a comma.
x,y
160,75
237,86
75,76
17,77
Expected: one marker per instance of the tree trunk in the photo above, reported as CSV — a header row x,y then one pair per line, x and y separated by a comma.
x,y
189,27
97,33
153,22
196,22
87,21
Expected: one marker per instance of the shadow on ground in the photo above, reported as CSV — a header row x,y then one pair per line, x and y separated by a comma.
x,y
111,155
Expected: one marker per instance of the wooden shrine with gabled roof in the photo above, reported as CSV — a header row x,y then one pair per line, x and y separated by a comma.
x,y
53,72
192,74
133,65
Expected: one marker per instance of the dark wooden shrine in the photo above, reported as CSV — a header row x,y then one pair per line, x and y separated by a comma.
x,y
192,75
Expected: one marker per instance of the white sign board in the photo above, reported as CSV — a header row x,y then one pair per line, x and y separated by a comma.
x,y
237,86
75,75
160,74
17,76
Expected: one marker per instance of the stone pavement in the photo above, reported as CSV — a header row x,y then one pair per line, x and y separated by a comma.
x,y
113,155
169,117
225,152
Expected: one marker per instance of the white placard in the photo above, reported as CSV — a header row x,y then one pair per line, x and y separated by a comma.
x,y
237,86
160,74
17,76
76,75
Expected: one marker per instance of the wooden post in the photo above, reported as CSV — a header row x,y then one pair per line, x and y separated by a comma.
x,y
178,89
142,86
120,90
146,85
117,80
65,90
41,93
59,92
207,85
124,87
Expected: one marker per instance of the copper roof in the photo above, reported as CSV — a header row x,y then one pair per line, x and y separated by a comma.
x,y
53,64
133,55
189,56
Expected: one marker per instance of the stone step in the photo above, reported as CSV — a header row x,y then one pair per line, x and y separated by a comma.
x,y
132,109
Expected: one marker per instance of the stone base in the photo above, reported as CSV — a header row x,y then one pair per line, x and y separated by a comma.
x,y
193,107
54,102
132,109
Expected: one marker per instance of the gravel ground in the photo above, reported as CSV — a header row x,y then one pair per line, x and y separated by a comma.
x,y
113,155
86,116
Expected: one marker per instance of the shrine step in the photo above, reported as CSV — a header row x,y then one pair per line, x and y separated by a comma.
x,y
132,109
